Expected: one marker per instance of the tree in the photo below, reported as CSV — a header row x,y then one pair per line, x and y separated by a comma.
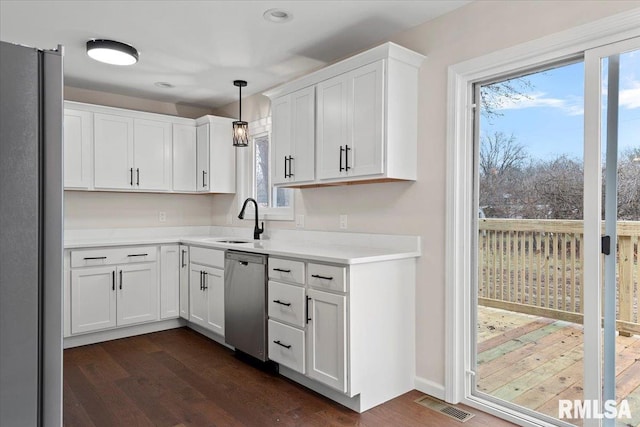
x,y
629,185
495,96
558,186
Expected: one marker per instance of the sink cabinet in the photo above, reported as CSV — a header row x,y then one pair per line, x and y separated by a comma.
x,y
206,289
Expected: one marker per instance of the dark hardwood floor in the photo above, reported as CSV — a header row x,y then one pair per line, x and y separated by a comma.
x,y
180,378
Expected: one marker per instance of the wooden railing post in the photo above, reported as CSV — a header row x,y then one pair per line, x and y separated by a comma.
x,y
625,281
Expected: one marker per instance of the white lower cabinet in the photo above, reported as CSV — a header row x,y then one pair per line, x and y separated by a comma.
x,y
93,299
184,282
326,343
108,296
170,281
137,294
287,346
206,295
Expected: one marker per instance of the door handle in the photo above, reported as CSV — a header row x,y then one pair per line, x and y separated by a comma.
x,y
113,280
346,157
205,281
204,173
131,177
137,176
341,150
307,309
183,254
201,280
290,173
120,279
285,167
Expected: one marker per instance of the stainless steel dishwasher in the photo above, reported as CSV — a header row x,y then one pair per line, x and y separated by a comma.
x,y
245,297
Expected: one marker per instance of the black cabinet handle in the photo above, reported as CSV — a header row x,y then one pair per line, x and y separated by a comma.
x,y
183,254
134,255
137,176
317,276
95,257
290,173
277,301
341,150
282,270
120,279
113,280
201,280
131,177
346,158
204,173
307,308
285,167
205,281
282,345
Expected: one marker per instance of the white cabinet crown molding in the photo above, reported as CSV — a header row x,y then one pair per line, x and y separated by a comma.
x,y
383,51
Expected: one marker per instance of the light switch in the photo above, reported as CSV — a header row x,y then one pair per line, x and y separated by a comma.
x,y
343,222
162,216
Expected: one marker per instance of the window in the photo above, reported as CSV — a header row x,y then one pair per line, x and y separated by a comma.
x,y
254,177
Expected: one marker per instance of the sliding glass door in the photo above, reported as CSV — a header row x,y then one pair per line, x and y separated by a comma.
x,y
557,332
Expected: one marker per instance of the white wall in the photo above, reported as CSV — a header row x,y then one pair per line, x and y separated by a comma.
x,y
419,208
109,210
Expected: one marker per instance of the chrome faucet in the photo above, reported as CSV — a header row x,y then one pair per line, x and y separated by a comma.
x,y
257,231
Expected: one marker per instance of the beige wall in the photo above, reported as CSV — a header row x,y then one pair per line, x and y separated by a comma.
x,y
110,210
419,208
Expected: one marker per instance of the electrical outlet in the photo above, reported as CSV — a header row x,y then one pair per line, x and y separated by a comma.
x,y
299,221
343,222
162,216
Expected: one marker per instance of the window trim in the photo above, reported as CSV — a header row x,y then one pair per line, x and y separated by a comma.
x,y
246,175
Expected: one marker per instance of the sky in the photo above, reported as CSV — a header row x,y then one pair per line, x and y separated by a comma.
x,y
549,120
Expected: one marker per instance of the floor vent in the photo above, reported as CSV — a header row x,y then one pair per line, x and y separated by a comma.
x,y
443,408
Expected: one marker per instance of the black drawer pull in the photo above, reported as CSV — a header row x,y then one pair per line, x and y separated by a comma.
x,y
113,280
282,345
317,276
95,257
277,301
282,270
132,255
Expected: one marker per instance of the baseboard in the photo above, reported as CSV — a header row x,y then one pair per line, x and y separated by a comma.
x,y
117,333
430,387
207,333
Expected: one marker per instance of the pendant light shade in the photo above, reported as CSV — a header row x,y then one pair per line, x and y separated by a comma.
x,y
112,52
240,128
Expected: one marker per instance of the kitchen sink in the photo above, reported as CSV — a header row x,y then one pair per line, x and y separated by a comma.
x,y
230,240
234,242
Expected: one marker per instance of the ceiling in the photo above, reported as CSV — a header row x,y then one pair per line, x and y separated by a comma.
x,y
200,47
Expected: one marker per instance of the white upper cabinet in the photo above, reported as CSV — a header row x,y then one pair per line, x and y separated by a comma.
x,y
366,115
114,149
293,134
113,152
216,155
78,142
152,155
184,158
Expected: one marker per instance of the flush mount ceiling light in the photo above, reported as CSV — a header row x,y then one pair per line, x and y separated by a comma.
x,y
277,15
112,52
164,85
240,128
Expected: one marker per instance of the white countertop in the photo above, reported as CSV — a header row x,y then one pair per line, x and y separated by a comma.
x,y
337,251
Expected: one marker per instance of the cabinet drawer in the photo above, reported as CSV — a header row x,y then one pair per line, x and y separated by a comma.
x,y
286,346
204,256
287,270
327,277
111,256
287,303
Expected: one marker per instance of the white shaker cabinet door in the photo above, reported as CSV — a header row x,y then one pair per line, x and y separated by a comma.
x,y
93,299
302,163
214,287
326,339
198,306
365,121
113,152
78,138
184,282
152,155
184,158
137,292
202,158
281,139
331,130
169,281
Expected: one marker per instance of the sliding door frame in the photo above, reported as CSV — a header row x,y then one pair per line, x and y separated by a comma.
x,y
460,209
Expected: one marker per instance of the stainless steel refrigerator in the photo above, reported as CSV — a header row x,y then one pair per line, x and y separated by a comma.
x,y
31,112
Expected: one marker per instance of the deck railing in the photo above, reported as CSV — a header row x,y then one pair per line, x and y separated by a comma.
x,y
535,267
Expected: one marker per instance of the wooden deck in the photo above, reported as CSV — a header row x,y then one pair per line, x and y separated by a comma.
x,y
533,362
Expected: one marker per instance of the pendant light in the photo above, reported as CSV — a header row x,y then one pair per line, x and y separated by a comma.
x,y
112,52
240,128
